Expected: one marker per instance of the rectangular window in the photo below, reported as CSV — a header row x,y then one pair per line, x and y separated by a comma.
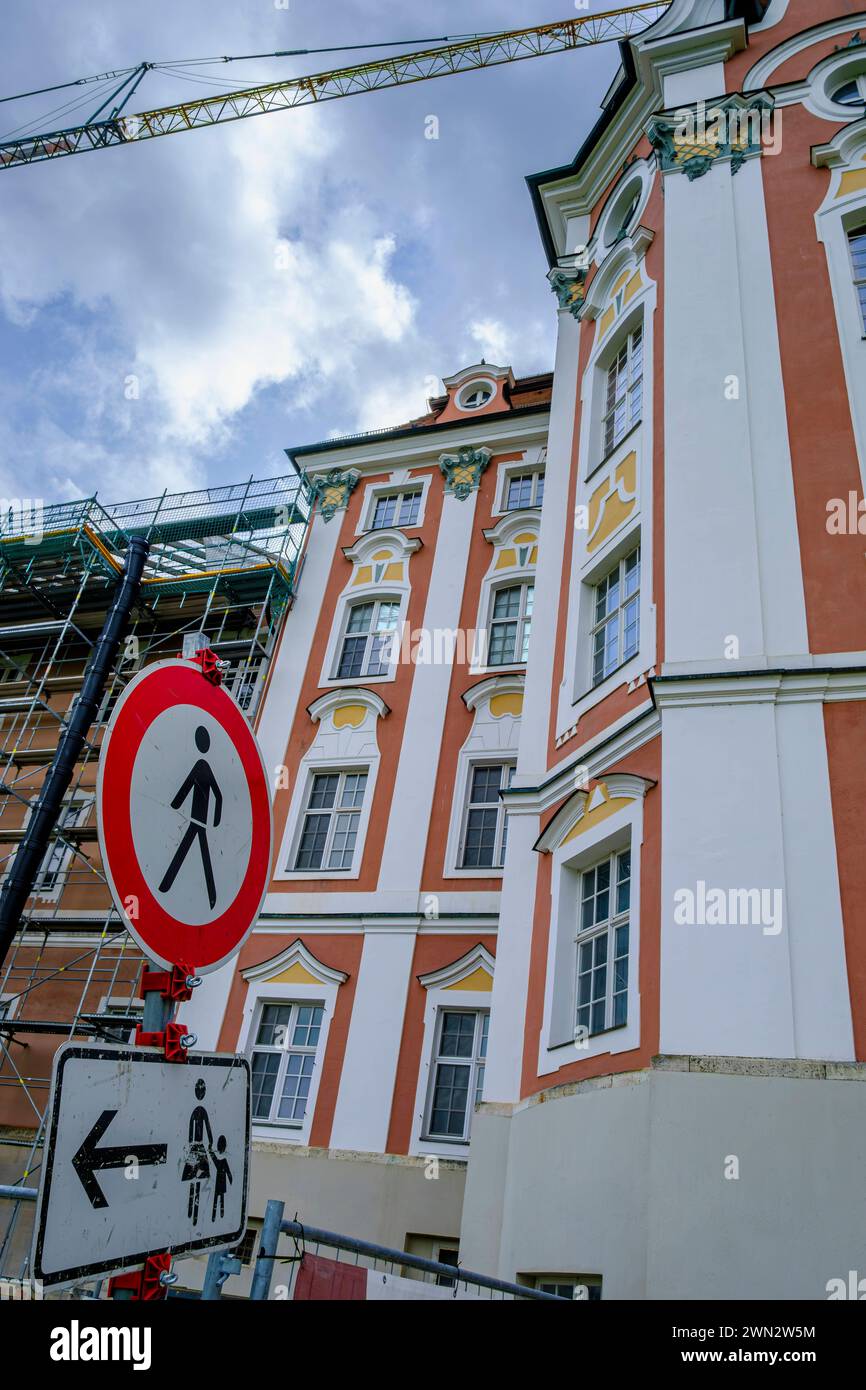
x,y
485,827
458,1072
525,490
602,945
857,243
368,639
624,392
330,828
510,625
583,1286
400,509
246,1246
616,617
283,1060
58,855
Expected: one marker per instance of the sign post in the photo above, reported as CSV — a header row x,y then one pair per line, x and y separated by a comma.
x,y
139,1165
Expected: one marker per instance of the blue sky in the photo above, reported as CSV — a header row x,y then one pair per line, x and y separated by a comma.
x,y
277,280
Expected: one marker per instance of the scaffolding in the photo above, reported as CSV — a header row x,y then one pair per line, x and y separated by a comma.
x,y
223,561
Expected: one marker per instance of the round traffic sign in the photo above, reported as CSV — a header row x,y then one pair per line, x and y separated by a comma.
x,y
184,817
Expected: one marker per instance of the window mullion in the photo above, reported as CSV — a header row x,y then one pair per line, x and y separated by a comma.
x,y
281,1069
332,822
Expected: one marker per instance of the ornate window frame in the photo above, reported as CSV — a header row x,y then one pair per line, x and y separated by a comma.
x,y
497,704
320,987
507,539
380,570
636,181
612,809
447,989
401,480
345,742
532,461
843,209
615,494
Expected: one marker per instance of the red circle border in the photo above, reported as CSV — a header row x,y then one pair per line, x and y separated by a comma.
x,y
169,941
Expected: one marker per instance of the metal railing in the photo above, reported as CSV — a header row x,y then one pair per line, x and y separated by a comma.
x,y
382,1258
309,1240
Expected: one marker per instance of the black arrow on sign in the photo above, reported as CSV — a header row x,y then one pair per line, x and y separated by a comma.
x,y
89,1160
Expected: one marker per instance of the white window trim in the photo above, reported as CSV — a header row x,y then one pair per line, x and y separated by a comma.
x,y
467,387
467,760
524,581
623,339
622,830
595,624
260,993
295,820
580,677
396,484
439,998
639,179
828,75
533,461
386,591
501,537
596,458
577,695
377,597
833,221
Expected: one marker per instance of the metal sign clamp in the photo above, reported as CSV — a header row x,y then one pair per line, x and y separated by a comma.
x,y
146,1285
176,985
211,666
174,1040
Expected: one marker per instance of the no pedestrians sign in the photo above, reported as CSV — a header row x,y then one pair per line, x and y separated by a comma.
x,y
184,817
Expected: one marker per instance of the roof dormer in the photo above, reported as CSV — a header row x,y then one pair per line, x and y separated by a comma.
x,y
481,389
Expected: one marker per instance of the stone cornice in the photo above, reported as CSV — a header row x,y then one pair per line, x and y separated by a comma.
x,y
806,686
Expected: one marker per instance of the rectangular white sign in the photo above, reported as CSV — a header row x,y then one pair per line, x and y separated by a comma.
x,y
141,1156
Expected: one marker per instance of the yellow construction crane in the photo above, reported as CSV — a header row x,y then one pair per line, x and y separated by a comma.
x,y
480,51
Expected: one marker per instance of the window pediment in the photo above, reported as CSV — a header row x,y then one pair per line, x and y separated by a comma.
x,y
295,965
472,971
586,807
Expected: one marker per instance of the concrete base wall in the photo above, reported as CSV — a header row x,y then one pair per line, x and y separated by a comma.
x,y
376,1197
626,1178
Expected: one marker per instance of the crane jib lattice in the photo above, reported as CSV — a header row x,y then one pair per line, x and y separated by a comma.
x,y
443,61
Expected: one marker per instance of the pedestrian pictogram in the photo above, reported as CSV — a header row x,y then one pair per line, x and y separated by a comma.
x,y
184,816
142,1157
200,784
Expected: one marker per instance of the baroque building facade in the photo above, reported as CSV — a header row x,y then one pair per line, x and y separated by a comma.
x,y
561,972
665,982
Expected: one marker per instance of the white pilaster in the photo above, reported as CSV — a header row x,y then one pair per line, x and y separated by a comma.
x,y
511,978
363,1109
409,825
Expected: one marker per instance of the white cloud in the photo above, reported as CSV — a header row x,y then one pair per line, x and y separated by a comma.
x,y
219,303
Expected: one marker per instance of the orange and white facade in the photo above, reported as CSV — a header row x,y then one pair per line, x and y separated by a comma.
x,y
669,951
391,722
